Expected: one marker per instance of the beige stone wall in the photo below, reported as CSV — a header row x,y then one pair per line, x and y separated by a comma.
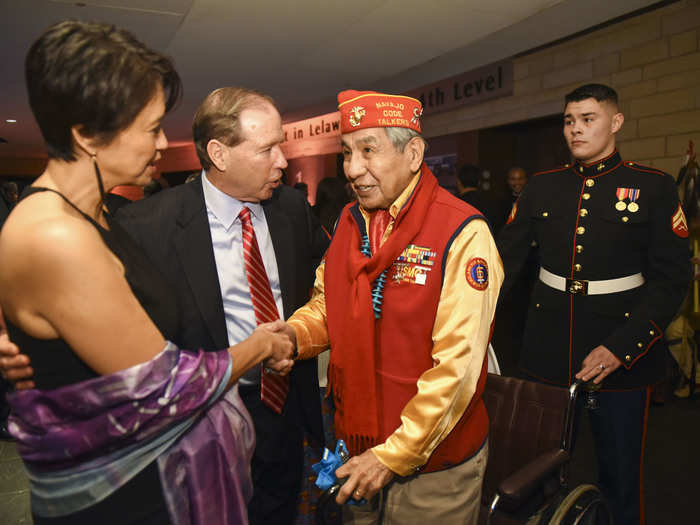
x,y
652,60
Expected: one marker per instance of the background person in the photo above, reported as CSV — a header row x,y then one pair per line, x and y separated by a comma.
x,y
516,179
468,178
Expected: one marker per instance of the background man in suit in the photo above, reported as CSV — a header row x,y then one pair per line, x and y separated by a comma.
x,y
468,178
194,234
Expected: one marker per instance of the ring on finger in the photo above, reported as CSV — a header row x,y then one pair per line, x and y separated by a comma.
x,y
601,366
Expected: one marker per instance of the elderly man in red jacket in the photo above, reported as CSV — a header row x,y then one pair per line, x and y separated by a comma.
x,y
405,298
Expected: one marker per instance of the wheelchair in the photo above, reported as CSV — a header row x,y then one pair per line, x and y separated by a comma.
x,y
526,480
530,439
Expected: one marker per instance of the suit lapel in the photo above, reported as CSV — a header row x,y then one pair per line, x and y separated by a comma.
x,y
194,249
282,236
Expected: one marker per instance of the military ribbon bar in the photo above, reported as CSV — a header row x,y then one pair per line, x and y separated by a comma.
x,y
622,193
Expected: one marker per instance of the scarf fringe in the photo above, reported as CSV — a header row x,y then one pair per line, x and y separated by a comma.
x,y
357,444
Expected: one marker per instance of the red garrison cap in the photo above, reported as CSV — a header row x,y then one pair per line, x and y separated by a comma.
x,y
369,109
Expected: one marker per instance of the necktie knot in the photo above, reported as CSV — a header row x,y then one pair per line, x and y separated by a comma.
x,y
244,215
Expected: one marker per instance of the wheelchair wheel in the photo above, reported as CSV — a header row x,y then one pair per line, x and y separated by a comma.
x,y
584,505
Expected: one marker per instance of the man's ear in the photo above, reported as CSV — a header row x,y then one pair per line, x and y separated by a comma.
x,y
415,149
83,142
217,154
617,121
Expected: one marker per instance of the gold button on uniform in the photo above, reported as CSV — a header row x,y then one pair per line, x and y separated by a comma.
x,y
640,345
627,315
583,212
580,168
625,219
579,248
628,358
545,214
651,332
537,305
577,267
580,230
590,183
586,196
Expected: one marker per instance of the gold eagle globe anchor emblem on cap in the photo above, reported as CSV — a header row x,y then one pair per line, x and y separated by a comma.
x,y
417,113
356,115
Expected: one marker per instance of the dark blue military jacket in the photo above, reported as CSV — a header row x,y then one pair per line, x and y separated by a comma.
x,y
576,216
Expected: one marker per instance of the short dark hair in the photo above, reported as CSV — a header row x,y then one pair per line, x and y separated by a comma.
x,y
96,76
469,176
599,92
218,117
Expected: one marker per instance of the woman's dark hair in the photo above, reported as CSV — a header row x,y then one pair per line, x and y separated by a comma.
x,y
95,76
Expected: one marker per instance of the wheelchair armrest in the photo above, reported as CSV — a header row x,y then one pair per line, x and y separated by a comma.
x,y
520,485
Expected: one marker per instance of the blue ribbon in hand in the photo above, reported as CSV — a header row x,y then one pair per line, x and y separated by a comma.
x,y
325,469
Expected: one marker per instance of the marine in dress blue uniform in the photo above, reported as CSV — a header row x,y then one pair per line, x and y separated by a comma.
x,y
614,269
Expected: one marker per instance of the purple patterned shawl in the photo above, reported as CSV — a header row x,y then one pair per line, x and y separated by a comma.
x,y
83,441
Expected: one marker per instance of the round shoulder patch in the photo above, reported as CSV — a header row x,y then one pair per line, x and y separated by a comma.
x,y
478,273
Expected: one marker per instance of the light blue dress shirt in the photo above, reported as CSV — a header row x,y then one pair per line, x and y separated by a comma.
x,y
227,240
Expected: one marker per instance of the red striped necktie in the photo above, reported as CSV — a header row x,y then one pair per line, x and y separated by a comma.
x,y
273,388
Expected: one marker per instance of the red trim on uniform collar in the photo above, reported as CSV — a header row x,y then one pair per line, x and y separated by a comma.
x,y
614,152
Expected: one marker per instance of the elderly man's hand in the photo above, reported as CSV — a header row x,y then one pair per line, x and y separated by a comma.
x,y
366,476
597,365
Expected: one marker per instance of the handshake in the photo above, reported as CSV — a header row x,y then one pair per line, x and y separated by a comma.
x,y
279,342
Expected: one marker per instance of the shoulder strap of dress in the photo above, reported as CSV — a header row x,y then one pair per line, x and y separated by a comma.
x,y
31,190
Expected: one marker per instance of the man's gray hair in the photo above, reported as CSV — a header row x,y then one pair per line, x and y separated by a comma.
x,y
399,137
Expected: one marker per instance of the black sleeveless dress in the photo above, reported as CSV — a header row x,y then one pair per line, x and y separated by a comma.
x,y
140,500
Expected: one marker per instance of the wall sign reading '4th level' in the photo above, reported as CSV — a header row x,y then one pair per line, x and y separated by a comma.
x,y
472,87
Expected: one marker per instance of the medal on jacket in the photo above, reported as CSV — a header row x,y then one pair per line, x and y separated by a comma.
x,y
622,194
627,193
633,196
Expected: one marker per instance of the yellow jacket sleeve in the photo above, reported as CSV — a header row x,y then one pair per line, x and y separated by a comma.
x,y
460,338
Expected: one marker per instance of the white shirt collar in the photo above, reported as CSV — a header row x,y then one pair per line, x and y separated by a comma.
x,y
225,207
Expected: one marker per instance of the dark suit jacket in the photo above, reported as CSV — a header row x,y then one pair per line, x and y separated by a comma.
x,y
172,227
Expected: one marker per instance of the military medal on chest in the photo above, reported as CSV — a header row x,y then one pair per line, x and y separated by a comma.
x,y
631,194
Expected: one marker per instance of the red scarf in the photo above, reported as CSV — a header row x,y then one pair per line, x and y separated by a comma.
x,y
349,277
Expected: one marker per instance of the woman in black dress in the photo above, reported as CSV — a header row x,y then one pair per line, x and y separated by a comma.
x,y
123,427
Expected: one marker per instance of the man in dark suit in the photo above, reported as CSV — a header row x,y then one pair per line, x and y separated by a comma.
x,y
194,235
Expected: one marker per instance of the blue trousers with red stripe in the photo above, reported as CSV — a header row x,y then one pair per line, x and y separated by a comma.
x,y
619,431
